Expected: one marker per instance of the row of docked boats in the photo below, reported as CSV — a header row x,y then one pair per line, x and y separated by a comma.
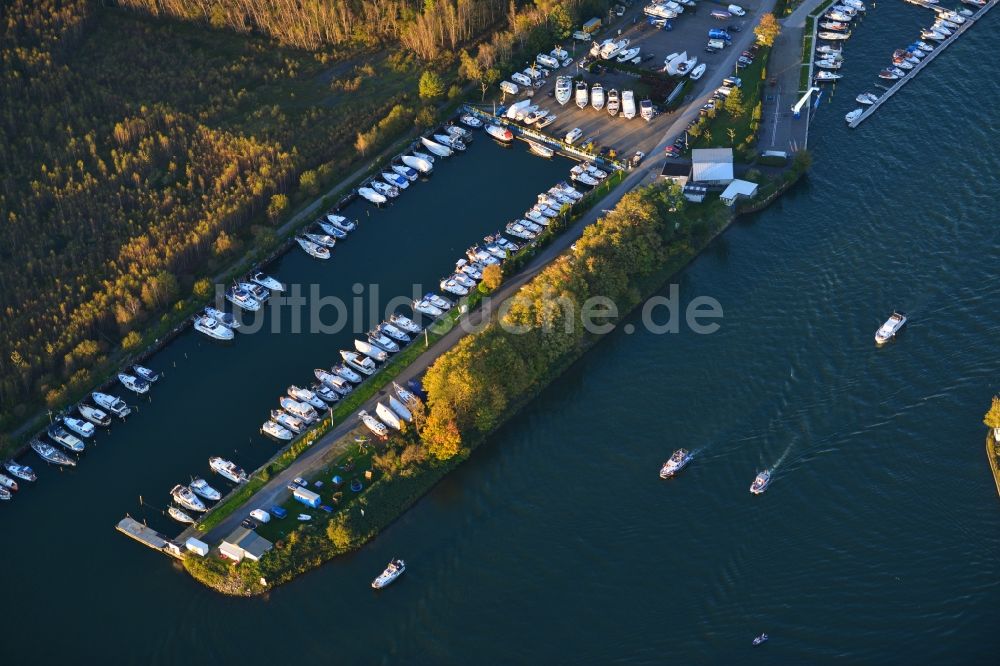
x,y
681,457
193,497
835,27
392,413
249,295
594,96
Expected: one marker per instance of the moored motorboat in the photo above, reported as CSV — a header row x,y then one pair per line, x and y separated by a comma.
x,y
179,515
373,424
395,180
363,364
64,438
470,120
112,403
834,36
347,225
242,298
313,249
393,332
276,430
424,307
305,395
372,196
388,416
344,372
267,281
323,240
202,489
212,328
439,301
133,383
391,573
407,172
79,426
291,423
224,318
866,98
540,150
335,232
7,483
500,133
853,115
379,339
385,189
227,469
371,351
827,76
143,372
187,499
302,410
451,141
761,482
453,287
890,328
19,471
887,75
325,393
404,323
50,454
435,147
676,462
93,414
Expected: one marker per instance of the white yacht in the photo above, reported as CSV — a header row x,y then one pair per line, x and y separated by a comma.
x,y
384,189
61,436
392,331
614,104
345,224
676,463
435,148
212,328
828,76
388,416
371,351
451,141
267,282
853,115
338,384
290,423
305,395
242,298
546,121
470,120
372,195
187,499
500,133
202,489
406,172
585,178
227,469
890,328
597,96
404,395
404,323
50,454
564,89
323,240
7,483
760,482
866,98
113,404
424,306
614,49
325,393
535,116
362,364
518,231
373,424
395,180
582,94
79,426
459,132
438,301
93,414
224,318
143,372
391,573
313,249
379,339
19,471
628,54
834,36
417,163
277,431
344,372
452,287
179,515
133,383
336,232
302,410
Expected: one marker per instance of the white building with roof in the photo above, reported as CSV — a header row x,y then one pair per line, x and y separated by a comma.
x,y
712,166
736,189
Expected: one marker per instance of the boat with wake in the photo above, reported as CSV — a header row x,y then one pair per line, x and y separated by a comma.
x,y
676,462
760,482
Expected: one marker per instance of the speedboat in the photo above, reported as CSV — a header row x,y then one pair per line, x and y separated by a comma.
x,y
866,98
260,294
400,409
347,225
470,120
323,240
676,463
478,255
500,133
224,318
536,217
628,54
373,424
63,437
387,329
582,94
697,72
426,308
379,339
827,49
890,328
391,573
452,141
267,281
313,249
564,89
277,431
404,323
614,103
597,96
49,453
584,178
404,395
371,351
438,301
94,415
287,421
302,410
22,472
546,121
458,133
212,328
827,76
453,287
305,395
902,64
407,172
113,404
384,189
436,148
834,36
227,469
942,28
79,426
933,34
760,639
373,196
540,150
150,376
828,64
761,482
337,384
887,75
9,484
242,298
187,499
924,46
518,231
388,416
898,72
853,115
834,25
336,232
202,489
179,515
344,372
362,364
133,383
395,180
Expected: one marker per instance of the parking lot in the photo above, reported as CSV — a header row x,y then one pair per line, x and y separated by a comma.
x,y
625,137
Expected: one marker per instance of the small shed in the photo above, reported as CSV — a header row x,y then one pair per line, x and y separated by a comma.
x,y
246,543
676,172
736,189
199,548
306,496
695,193
712,166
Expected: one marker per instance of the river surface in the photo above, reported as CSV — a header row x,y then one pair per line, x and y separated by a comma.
x,y
878,541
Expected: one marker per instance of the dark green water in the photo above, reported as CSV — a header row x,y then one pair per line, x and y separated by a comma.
x,y
879,540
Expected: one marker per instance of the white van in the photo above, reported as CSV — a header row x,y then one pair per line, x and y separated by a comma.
x,y
508,87
736,10
713,44
573,135
518,77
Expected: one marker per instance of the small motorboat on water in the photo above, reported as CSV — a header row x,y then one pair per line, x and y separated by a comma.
x,y
242,299
335,232
212,328
305,395
866,98
187,499
202,489
890,328
676,462
470,120
371,195
224,318
436,148
51,454
887,75
64,438
344,372
395,180
22,472
384,188
179,516
500,133
79,426
760,639
827,76
145,373
439,301
371,351
363,364
323,240
93,414
291,423
760,482
452,141
267,281
853,115
373,424
391,573
540,150
113,404
834,36
227,469
410,174
346,225
405,323
302,410
325,393
451,286
394,332
313,249
379,339
276,430
10,485
133,383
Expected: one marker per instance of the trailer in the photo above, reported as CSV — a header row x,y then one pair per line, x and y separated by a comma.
x,y
307,497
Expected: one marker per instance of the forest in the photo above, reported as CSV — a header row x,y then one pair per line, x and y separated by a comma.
x,y
140,154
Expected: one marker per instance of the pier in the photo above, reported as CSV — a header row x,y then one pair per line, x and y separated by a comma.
x,y
891,90
147,536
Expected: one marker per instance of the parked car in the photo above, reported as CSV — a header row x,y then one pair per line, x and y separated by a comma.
x,y
736,10
637,158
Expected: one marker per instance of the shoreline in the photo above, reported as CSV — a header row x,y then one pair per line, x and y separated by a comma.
x,y
992,457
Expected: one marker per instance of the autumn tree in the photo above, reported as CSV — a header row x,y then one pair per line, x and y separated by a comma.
x,y
276,207
492,278
159,290
992,418
203,288
441,436
431,86
734,103
767,30
339,532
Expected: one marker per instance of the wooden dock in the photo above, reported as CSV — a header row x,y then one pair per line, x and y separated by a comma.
x,y
891,90
147,536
